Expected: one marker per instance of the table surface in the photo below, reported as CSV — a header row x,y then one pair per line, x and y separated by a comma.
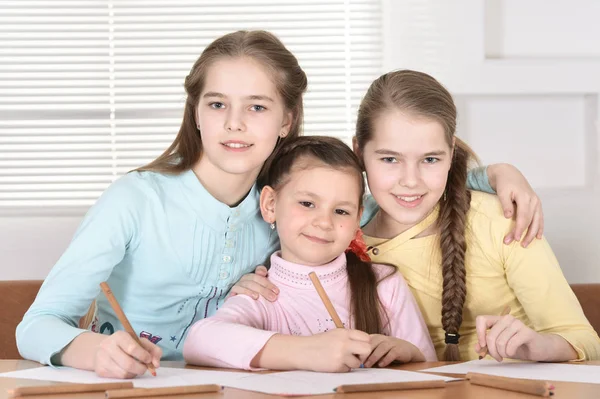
x,y
457,389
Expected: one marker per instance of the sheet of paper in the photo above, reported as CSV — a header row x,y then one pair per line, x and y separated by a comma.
x,y
528,370
295,383
166,376
284,383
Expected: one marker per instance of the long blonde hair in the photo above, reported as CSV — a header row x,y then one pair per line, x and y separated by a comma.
x,y
421,95
259,45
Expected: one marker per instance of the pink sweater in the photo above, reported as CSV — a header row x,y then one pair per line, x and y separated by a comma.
x,y
242,326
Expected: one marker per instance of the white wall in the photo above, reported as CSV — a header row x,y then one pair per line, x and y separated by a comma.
x,y
526,79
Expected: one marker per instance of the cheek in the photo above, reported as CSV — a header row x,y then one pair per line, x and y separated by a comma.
x,y
436,179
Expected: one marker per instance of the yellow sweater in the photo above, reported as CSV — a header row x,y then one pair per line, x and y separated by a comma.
x,y
529,280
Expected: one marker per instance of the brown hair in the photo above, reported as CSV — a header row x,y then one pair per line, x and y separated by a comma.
x,y
422,96
335,153
259,45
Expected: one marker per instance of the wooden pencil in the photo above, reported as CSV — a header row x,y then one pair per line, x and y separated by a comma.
x,y
532,387
326,301
123,319
484,351
391,386
66,388
146,392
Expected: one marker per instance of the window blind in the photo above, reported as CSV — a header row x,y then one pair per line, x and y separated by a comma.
x,y
91,89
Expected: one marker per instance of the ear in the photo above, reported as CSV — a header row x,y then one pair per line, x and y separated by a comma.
x,y
360,213
267,204
287,124
355,146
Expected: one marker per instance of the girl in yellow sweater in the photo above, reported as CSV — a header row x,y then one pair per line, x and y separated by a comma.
x,y
448,241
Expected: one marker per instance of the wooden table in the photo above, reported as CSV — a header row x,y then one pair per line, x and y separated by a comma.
x,y
458,389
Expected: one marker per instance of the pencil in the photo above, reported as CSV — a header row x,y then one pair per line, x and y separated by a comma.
x,y
390,386
484,351
539,388
321,291
146,392
66,388
123,319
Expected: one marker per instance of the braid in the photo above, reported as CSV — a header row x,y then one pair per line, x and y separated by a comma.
x,y
451,222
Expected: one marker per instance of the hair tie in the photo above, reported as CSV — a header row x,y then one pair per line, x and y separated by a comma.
x,y
358,246
452,338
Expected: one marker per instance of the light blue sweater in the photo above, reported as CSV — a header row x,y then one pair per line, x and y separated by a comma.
x,y
170,253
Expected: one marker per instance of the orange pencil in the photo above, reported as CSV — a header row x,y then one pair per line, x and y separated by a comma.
x,y
483,352
67,388
167,391
391,386
326,301
532,387
123,319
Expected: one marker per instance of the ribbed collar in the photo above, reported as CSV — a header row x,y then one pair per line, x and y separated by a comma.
x,y
213,212
295,275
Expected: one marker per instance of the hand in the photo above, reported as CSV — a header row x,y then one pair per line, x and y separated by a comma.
x,y
386,350
121,356
516,195
335,351
255,284
510,338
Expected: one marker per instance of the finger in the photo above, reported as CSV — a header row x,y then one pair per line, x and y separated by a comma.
x,y
352,362
108,368
390,357
129,363
482,323
261,271
131,347
254,282
503,338
492,336
531,231
154,351
506,201
239,290
524,217
540,214
376,355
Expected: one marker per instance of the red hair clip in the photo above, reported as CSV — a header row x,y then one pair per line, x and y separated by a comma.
x,y
359,247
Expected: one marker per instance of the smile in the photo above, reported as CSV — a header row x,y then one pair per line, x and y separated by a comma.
x,y
236,145
316,239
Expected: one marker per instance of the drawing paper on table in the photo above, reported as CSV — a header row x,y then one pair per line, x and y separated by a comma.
x,y
529,370
312,383
167,377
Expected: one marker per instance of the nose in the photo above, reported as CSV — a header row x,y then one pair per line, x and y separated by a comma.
x,y
410,176
323,220
234,121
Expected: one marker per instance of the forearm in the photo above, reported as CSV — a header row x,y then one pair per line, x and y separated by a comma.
x,y
559,349
283,352
81,352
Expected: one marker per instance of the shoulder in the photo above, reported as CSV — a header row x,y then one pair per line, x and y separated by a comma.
x,y
486,217
390,279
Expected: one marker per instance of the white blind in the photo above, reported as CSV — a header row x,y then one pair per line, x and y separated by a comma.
x,y
91,89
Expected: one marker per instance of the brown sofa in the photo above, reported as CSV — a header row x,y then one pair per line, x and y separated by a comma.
x,y
17,296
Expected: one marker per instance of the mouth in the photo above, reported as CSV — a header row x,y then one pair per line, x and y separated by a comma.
x,y
236,145
317,240
409,201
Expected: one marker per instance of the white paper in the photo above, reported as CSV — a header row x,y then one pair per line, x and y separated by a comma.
x,y
528,370
166,376
290,383
294,383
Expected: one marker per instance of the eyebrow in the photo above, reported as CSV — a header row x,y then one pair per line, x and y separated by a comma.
x,y
341,203
395,153
260,97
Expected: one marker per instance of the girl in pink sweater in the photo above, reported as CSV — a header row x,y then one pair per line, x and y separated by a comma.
x,y
312,194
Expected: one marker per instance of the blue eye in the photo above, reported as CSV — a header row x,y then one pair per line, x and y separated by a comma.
x,y
431,160
216,105
389,160
258,108
307,204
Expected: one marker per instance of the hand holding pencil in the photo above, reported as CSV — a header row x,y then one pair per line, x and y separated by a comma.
x,y
123,354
